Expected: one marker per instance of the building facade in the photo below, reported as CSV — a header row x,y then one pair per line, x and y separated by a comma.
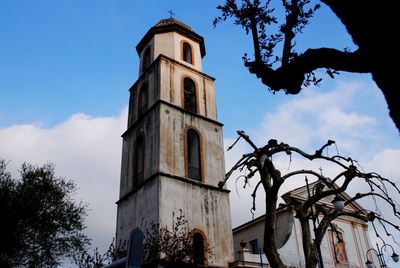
x,y
172,154
345,244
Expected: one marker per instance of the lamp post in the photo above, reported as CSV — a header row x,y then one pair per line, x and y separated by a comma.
x,y
338,203
379,253
314,218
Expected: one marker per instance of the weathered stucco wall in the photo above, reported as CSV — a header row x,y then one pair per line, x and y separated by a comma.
x,y
140,210
150,79
150,45
171,81
168,154
148,127
173,128
206,209
170,45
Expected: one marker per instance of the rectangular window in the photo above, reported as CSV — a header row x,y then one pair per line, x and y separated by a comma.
x,y
254,246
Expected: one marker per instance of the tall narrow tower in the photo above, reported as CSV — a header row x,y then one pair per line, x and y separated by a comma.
x,y
172,155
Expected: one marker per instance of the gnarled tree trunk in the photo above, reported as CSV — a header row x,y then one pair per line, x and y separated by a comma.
x,y
270,247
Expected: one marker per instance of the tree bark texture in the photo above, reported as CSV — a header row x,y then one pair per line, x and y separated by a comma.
x,y
270,247
309,249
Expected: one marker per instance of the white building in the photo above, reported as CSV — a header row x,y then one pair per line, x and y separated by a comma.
x,y
345,244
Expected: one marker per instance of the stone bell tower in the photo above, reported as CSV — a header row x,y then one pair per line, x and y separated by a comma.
x,y
172,154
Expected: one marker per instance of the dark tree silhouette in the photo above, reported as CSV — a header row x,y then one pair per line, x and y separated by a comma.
x,y
40,223
371,24
260,162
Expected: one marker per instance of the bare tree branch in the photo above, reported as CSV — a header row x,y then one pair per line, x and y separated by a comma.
x,y
261,161
363,21
290,77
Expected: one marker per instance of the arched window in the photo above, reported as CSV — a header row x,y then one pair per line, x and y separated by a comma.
x,y
198,249
193,160
132,106
146,59
187,53
142,102
189,95
138,161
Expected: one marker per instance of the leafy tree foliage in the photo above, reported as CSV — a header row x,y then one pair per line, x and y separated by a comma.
x,y
97,259
171,248
346,171
40,223
371,25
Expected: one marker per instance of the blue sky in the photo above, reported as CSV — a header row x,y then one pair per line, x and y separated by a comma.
x,y
78,56
65,71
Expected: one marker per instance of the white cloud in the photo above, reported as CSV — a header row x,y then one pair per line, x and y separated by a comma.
x,y
83,148
344,114
386,163
316,116
88,149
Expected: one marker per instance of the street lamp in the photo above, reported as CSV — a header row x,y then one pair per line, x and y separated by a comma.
x,y
338,203
382,263
314,218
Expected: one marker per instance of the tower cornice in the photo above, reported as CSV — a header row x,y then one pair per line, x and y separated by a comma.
x,y
171,25
158,59
171,176
159,102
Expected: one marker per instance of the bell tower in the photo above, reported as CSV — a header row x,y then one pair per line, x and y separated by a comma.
x,y
172,154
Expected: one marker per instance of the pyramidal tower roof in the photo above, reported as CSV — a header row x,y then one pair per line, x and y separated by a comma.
x,y
172,21
171,25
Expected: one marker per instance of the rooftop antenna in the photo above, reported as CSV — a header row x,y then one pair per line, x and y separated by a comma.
x,y
171,14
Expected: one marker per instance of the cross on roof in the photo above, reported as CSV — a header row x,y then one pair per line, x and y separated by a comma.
x,y
171,13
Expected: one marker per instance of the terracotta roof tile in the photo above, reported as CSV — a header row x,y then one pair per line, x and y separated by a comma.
x,y
172,21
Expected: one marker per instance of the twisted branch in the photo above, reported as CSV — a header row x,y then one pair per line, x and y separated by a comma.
x,y
260,161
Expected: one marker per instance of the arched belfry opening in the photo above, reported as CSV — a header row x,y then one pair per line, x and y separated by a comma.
x,y
138,161
193,154
189,95
143,99
146,59
187,54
